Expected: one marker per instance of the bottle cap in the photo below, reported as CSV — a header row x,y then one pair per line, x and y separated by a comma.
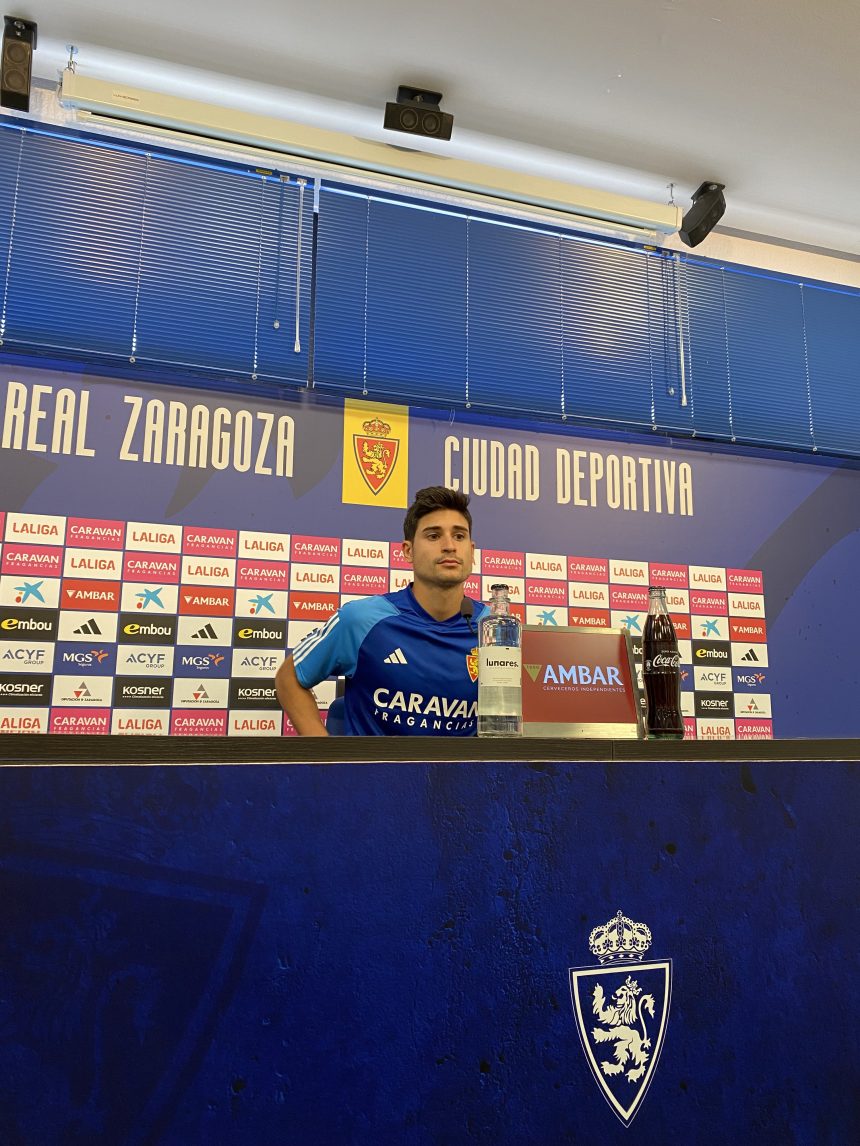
x,y
493,588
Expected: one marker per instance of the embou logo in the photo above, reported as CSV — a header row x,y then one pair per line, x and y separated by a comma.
x,y
621,1010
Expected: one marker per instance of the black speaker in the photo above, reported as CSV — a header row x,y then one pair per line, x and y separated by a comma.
x,y
16,63
709,206
417,112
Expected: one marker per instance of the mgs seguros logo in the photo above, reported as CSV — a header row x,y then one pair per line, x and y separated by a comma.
x,y
621,1008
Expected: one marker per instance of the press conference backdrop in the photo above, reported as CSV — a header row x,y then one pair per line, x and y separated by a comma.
x,y
163,548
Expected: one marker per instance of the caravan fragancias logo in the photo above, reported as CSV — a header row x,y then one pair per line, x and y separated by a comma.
x,y
621,1009
376,452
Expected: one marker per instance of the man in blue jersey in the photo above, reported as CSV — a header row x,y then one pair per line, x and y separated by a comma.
x,y
410,658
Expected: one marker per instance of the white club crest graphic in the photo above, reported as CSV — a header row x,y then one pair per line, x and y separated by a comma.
x,y
621,1009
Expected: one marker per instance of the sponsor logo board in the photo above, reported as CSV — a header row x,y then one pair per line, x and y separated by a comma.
x,y
149,598
715,704
709,679
628,572
206,602
208,570
35,528
203,632
252,574
546,566
27,656
261,722
265,546
253,694
588,618
262,603
95,533
190,723
142,692
157,568
196,693
670,576
259,634
141,630
143,660
86,659
745,605
752,729
363,581
30,688
745,581
189,660
588,595
32,561
707,577
153,538
92,596
709,729
81,691
33,592
256,663
372,553
23,719
88,627
140,722
546,593
80,721
93,564
502,563
746,654
197,542
28,624
315,550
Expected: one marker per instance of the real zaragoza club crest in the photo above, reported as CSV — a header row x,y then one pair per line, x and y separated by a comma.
x,y
376,452
621,1010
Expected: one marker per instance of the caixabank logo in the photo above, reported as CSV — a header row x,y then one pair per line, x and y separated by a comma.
x,y
621,1009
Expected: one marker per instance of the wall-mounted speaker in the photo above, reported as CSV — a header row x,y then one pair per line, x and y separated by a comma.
x,y
16,62
709,206
417,112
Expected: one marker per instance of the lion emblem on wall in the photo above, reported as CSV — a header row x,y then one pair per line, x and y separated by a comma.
x,y
625,1019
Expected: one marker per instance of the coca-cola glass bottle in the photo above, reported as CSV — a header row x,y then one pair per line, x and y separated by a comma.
x,y
661,668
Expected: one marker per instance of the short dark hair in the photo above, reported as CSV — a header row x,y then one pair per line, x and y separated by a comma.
x,y
430,499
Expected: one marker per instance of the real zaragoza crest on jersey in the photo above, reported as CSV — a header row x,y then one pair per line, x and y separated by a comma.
x,y
621,1009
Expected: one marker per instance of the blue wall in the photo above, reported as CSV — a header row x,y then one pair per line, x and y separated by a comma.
x,y
374,954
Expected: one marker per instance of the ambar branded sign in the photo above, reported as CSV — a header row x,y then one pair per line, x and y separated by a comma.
x,y
578,682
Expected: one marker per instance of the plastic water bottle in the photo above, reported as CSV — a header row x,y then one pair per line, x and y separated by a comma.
x,y
500,658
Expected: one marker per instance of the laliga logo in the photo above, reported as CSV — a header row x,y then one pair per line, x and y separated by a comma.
x,y
622,1037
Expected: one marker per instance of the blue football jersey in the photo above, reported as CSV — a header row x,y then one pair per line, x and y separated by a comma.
x,y
407,673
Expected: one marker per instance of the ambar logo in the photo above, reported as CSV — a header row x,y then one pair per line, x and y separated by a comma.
x,y
206,602
101,596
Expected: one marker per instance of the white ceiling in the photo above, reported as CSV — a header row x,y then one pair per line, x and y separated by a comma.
x,y
762,95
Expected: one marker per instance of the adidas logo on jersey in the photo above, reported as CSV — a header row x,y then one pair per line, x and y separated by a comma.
x,y
396,658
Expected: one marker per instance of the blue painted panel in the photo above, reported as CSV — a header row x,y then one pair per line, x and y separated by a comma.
x,y
372,954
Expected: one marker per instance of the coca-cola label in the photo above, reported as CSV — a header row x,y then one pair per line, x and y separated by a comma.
x,y
663,662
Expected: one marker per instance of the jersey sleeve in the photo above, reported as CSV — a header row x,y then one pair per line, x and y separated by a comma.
x,y
333,649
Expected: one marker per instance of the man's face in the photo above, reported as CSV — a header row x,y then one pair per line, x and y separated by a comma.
x,y
442,551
